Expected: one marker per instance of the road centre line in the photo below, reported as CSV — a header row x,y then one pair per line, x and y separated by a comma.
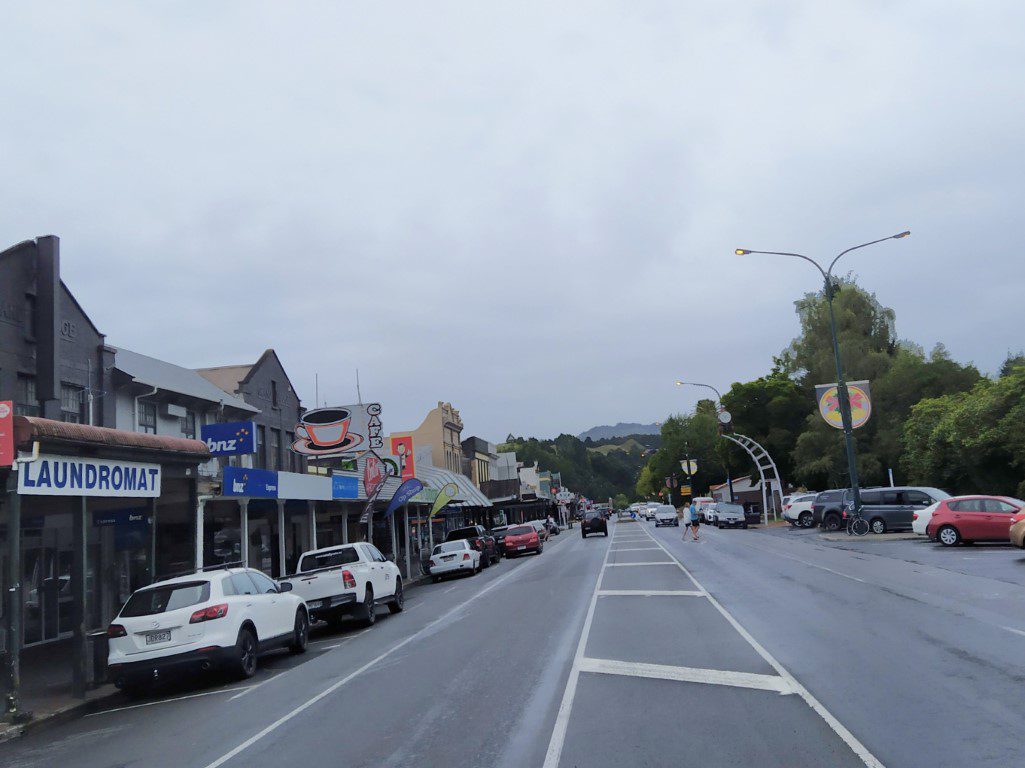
x,y
352,675
687,674
652,593
849,738
168,701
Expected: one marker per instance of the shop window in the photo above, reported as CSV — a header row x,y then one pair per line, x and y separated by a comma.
x,y
30,317
27,404
261,446
275,449
188,425
148,418
72,404
274,393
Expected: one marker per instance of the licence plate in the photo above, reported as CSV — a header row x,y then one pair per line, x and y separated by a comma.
x,y
522,546
158,637
316,603
449,557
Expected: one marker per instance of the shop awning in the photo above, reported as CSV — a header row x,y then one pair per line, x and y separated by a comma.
x,y
60,434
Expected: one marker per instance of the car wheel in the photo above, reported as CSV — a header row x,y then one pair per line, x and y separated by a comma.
x,y
245,653
831,522
368,613
805,520
300,633
435,579
744,526
606,533
878,525
399,600
540,548
948,536
583,535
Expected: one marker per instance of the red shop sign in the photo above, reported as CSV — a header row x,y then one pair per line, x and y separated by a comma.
x,y
6,433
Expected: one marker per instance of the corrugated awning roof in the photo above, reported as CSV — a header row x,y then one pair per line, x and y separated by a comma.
x,y
174,378
28,429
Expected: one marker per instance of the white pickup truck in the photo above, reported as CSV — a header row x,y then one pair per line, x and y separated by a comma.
x,y
347,579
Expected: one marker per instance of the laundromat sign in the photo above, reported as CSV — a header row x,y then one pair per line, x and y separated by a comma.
x,y
70,476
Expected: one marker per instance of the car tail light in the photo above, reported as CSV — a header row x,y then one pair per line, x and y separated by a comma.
x,y
431,563
786,507
914,515
348,580
477,543
1017,518
466,555
209,614
116,630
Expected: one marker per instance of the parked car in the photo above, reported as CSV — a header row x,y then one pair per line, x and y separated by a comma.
x,y
347,580
456,556
521,539
552,527
208,620
593,523
1017,530
920,519
702,503
480,540
885,509
498,533
751,515
730,515
797,510
666,515
965,519
542,529
708,513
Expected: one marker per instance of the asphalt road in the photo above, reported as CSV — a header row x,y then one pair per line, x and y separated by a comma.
x,y
748,648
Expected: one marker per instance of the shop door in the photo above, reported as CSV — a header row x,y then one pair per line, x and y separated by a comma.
x,y
46,578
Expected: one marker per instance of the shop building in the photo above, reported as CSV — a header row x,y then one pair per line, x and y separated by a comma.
x,y
437,439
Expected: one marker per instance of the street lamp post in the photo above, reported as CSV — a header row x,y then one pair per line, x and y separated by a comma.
x,y
719,406
841,384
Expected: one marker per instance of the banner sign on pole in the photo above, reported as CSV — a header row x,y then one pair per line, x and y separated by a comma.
x,y
406,491
829,403
445,495
343,430
374,474
6,433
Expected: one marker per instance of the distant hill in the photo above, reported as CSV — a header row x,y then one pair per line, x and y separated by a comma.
x,y
630,445
620,430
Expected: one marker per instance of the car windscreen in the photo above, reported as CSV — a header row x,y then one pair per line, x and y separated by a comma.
x,y
330,559
462,533
149,602
731,509
520,530
591,515
449,546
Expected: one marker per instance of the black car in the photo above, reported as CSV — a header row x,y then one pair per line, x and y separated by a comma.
x,y
480,540
885,509
499,532
593,522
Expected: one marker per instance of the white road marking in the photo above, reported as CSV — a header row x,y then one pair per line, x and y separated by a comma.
x,y
166,701
451,588
558,738
352,675
849,738
634,549
631,565
650,593
1016,631
687,674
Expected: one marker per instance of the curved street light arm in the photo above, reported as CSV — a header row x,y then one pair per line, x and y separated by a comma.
x,y
829,271
799,256
706,386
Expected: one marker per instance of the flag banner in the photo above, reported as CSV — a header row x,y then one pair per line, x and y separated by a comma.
x,y
829,403
406,491
447,493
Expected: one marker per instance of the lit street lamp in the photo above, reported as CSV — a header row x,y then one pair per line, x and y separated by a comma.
x,y
841,384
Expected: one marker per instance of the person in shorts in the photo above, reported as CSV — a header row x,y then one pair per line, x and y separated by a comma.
x,y
686,521
692,512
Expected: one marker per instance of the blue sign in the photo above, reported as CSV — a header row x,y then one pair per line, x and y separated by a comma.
x,y
406,491
138,516
131,527
344,487
257,483
232,439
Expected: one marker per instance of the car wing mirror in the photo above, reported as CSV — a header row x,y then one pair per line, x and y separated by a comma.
x,y
285,587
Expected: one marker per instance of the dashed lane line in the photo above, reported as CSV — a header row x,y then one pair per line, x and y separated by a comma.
x,y
687,674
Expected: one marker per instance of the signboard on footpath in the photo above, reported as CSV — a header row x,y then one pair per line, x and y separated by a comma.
x,y
6,433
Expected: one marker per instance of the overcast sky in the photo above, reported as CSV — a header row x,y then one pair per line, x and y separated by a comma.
x,y
528,209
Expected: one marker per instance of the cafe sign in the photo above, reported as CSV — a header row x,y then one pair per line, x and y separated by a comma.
x,y
344,430
71,476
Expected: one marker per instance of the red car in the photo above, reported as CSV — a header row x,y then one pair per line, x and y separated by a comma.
x,y
964,519
521,539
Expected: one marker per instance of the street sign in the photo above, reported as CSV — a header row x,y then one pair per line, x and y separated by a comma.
x,y
690,466
725,417
685,490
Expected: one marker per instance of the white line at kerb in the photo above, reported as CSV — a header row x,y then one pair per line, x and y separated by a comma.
x,y
331,689
558,738
849,738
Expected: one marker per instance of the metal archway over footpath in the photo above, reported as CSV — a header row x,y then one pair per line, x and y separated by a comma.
x,y
766,471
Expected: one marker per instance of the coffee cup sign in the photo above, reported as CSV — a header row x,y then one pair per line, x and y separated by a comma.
x,y
339,430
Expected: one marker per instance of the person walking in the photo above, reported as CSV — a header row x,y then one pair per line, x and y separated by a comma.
x,y
692,511
686,520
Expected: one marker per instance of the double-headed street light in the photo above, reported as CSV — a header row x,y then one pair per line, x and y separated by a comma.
x,y
841,384
724,418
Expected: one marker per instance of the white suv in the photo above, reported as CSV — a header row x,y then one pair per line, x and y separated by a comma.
x,y
797,510
207,620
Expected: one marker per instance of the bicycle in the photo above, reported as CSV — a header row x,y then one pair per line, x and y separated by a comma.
x,y
856,524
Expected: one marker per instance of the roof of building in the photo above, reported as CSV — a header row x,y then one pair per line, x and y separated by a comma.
x,y
28,429
174,378
226,377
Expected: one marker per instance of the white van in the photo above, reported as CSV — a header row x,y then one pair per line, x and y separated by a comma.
x,y
702,503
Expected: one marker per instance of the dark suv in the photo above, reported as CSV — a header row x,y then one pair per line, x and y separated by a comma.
x,y
885,509
480,540
593,522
